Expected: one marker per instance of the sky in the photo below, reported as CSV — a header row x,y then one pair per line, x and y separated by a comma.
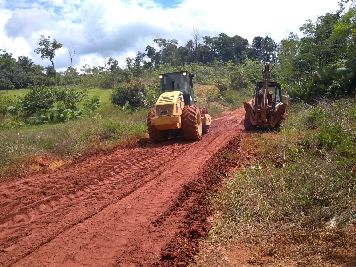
x,y
97,30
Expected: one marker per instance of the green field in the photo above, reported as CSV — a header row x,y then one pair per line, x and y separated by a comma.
x,y
104,94
13,93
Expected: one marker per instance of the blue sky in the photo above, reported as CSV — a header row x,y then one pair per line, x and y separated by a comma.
x,y
97,30
169,3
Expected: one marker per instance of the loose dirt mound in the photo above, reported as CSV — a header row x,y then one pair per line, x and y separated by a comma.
x,y
131,206
184,245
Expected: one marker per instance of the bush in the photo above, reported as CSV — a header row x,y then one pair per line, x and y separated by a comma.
x,y
5,102
43,105
132,95
152,94
92,104
239,79
231,97
308,177
36,100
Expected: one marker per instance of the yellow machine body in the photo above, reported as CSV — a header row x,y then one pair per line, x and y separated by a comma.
x,y
169,107
175,113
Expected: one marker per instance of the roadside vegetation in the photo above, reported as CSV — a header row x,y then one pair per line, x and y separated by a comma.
x,y
57,135
295,203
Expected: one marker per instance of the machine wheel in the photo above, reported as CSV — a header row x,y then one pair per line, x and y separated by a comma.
x,y
247,123
192,123
154,134
206,129
203,111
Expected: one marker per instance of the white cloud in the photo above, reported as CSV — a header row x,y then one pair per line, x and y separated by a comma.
x,y
117,28
26,22
17,46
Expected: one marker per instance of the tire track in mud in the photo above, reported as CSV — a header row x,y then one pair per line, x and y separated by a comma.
x,y
76,205
121,180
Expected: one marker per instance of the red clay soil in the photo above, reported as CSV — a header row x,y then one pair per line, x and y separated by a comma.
x,y
133,206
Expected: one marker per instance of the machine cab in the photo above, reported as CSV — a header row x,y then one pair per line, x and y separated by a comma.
x,y
274,95
179,81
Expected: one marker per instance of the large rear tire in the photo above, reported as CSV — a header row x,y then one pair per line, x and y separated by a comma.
x,y
247,123
248,112
192,123
154,134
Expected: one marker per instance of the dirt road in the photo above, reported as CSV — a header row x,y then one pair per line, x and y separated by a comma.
x,y
128,207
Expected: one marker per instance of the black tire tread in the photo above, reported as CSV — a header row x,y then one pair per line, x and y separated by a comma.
x,y
154,134
190,125
247,123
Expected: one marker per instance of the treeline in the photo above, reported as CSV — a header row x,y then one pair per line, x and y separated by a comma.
x,y
23,73
20,73
221,48
322,63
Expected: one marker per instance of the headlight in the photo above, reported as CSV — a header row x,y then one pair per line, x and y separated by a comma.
x,y
184,73
160,76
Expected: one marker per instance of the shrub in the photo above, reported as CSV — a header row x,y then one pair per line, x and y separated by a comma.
x,y
152,93
132,95
239,79
43,105
5,102
307,176
37,99
92,104
231,97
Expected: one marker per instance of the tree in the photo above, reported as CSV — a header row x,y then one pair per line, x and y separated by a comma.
x,y
27,73
153,56
137,64
8,67
18,74
168,50
208,51
196,37
322,63
112,64
47,48
263,49
129,62
71,53
225,48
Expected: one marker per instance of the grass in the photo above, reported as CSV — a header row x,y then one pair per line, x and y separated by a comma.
x,y
65,140
296,205
12,93
104,94
102,129
216,102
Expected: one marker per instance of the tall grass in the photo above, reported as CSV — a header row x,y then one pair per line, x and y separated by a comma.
x,y
103,128
300,191
215,101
